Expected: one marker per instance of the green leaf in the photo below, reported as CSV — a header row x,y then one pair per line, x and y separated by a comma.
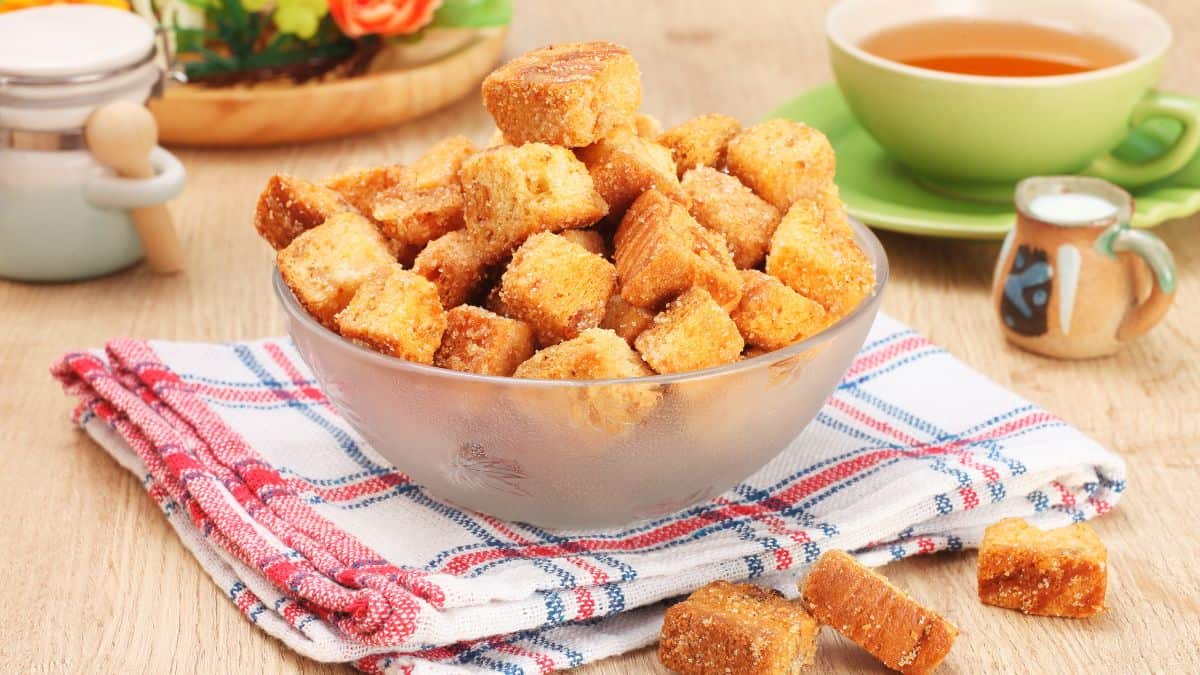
x,y
472,14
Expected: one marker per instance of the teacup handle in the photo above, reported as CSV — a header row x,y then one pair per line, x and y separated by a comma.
x,y
1136,174
1158,258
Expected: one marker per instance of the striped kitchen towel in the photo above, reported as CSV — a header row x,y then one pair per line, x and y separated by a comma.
x,y
324,546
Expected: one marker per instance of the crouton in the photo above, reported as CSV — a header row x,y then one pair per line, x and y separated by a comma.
x,y
595,354
559,288
700,141
440,164
288,206
426,202
624,319
324,266
362,186
772,316
396,312
660,252
721,203
864,607
782,161
819,261
1062,572
589,239
623,166
738,629
478,341
692,333
647,126
513,192
569,94
457,265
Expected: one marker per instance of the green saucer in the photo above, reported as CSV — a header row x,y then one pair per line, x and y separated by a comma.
x,y
881,193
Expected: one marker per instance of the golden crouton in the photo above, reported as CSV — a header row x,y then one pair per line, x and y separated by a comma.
x,y
426,202
589,239
396,312
782,161
626,320
660,252
569,94
820,261
700,141
737,629
513,192
595,354
1062,572
457,264
623,166
647,126
864,607
772,316
692,333
290,205
362,186
324,266
440,164
721,203
478,341
559,288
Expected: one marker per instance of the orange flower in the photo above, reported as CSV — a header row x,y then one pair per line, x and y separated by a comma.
x,y
382,17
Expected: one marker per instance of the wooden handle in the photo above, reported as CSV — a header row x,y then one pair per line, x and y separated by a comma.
x,y
164,251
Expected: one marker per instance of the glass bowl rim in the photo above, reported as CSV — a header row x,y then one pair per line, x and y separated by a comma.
x,y
866,238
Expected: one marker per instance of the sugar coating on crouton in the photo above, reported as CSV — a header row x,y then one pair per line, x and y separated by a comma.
x,y
647,126
772,316
623,165
324,266
700,141
864,607
626,320
426,200
360,187
479,341
558,287
595,354
592,240
440,164
1062,572
288,206
820,261
782,161
569,94
721,203
661,251
514,192
692,333
737,628
456,264
396,312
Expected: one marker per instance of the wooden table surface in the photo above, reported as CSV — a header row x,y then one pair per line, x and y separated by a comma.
x,y
98,582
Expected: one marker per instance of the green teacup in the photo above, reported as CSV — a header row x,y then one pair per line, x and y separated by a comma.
x,y
977,136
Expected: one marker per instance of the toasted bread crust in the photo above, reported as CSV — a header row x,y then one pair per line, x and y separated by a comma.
x,y
623,166
1061,572
772,316
782,161
288,206
479,341
692,333
864,607
721,203
396,312
700,141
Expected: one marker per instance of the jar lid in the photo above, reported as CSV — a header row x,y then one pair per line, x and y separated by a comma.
x,y
70,40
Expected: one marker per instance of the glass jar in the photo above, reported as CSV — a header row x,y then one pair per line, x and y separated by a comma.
x,y
64,216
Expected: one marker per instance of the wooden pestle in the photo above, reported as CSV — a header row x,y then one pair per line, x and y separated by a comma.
x,y
121,136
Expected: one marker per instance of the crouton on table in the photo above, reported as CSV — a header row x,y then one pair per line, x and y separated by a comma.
x,y
1062,572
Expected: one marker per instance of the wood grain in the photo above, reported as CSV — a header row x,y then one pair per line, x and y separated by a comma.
x,y
98,582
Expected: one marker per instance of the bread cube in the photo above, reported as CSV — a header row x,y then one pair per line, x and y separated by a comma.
x,y
589,239
513,192
559,288
772,316
324,266
623,166
692,333
1062,572
700,141
660,252
738,629
361,187
440,164
721,203
478,341
288,206
457,264
396,312
782,161
820,261
426,201
864,607
594,354
647,126
624,319
569,94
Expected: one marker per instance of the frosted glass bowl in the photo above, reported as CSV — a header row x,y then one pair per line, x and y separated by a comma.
x,y
583,454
